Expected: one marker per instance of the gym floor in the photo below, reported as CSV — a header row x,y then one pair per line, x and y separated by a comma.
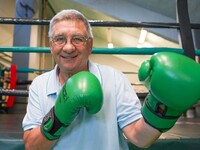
x,y
184,135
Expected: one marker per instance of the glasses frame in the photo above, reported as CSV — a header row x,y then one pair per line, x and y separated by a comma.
x,y
73,42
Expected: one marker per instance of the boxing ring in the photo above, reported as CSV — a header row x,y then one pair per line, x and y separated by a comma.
x,y
184,135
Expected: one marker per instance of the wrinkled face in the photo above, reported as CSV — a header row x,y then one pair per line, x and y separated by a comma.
x,y
71,46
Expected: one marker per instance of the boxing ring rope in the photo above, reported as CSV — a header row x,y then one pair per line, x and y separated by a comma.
x,y
24,93
8,92
121,50
99,23
27,70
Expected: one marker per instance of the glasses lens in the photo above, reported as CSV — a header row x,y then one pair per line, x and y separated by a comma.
x,y
78,40
59,40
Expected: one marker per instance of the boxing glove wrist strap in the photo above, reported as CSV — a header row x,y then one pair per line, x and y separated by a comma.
x,y
51,127
156,120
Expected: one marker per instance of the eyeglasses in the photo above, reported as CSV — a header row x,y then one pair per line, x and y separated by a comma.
x,y
76,40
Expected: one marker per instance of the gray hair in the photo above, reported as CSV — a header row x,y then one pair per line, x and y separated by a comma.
x,y
70,14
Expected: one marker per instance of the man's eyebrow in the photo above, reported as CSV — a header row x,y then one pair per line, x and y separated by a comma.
x,y
59,34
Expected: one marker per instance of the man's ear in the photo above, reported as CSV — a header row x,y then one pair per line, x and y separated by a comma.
x,y
91,44
50,45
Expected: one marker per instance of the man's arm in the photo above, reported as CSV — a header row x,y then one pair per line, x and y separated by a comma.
x,y
81,90
173,83
141,134
34,140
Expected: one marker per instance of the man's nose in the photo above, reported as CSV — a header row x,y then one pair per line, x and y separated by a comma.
x,y
68,47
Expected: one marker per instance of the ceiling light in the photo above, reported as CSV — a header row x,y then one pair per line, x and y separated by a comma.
x,y
143,35
110,45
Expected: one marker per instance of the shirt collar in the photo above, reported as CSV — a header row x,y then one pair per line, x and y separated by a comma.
x,y
53,85
94,69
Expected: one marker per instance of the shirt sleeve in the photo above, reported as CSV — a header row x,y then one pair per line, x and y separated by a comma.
x,y
33,116
128,103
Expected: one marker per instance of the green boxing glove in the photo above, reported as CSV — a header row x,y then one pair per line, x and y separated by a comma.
x,y
81,90
173,81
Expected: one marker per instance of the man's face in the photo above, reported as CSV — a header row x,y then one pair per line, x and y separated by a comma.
x,y
70,46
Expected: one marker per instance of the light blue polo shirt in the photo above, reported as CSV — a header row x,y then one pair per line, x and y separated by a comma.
x,y
101,131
